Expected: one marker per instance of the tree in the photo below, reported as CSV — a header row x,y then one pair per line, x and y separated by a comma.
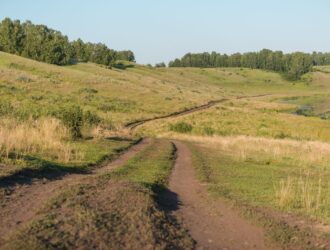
x,y
126,55
292,65
79,51
11,36
41,43
160,65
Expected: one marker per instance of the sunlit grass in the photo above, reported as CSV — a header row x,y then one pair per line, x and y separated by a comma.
x,y
286,174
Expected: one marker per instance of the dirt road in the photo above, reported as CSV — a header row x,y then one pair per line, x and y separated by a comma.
x,y
24,201
212,223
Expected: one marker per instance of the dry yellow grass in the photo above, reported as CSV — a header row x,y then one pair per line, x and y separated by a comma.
x,y
300,192
303,153
43,136
300,169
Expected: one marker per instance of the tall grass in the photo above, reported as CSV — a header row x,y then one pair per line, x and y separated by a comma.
x,y
301,193
302,153
290,174
44,137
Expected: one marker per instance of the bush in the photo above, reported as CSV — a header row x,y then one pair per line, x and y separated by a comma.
x,y
325,116
305,110
91,118
181,127
72,117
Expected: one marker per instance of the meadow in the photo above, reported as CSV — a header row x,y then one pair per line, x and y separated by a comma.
x,y
266,146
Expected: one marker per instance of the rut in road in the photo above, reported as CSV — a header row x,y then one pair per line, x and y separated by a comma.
x,y
212,223
23,204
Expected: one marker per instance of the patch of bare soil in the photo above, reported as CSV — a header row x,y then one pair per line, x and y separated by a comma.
x,y
22,203
211,222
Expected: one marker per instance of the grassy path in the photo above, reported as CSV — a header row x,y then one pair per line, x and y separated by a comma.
x,y
211,222
23,203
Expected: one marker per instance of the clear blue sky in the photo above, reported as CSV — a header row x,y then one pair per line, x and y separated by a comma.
x,y
160,30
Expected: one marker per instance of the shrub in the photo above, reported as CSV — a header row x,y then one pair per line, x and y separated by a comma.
x,y
91,118
72,117
305,110
325,116
181,127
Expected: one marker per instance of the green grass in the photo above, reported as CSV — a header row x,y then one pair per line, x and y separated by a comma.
x,y
252,185
38,89
256,180
246,118
151,167
250,175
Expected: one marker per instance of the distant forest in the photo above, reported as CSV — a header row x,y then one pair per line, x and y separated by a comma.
x,y
43,44
292,65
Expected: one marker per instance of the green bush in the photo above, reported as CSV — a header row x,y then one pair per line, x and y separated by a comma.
x,y
325,116
72,117
91,118
305,110
181,127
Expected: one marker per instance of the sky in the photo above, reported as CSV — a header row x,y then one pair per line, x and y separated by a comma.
x,y
162,30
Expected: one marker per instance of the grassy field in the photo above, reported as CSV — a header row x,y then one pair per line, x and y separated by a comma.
x,y
286,174
34,95
110,211
270,151
246,117
263,152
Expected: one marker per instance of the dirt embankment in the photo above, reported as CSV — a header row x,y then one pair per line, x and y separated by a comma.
x,y
24,201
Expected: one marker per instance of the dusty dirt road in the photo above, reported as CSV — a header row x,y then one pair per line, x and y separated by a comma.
x,y
23,203
212,223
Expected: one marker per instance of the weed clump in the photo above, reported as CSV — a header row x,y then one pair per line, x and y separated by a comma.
x,y
181,127
91,118
5,108
208,131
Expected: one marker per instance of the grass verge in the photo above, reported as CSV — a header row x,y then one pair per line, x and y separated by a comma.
x,y
252,184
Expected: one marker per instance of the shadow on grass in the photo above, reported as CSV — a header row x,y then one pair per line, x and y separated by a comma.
x,y
117,138
38,168
167,200
122,66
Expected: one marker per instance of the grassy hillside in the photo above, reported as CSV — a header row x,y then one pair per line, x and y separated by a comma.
x,y
34,94
266,145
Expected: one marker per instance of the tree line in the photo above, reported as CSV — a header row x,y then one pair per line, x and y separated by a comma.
x,y
41,43
292,65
